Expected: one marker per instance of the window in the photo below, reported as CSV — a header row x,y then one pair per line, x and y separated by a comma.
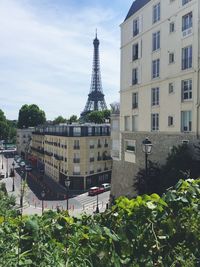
x,y
135,123
136,27
127,123
170,121
156,41
76,170
130,145
187,57
156,13
155,96
186,87
77,131
135,52
155,122
171,58
135,100
76,144
186,121
155,68
187,21
134,76
171,88
172,27
89,131
184,2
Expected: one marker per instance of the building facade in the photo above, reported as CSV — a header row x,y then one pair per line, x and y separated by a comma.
x,y
159,90
23,141
80,152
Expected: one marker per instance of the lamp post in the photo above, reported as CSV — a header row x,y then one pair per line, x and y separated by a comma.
x,y
97,208
146,147
7,166
42,195
13,176
2,160
67,184
21,193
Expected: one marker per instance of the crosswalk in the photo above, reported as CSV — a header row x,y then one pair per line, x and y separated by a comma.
x,y
90,202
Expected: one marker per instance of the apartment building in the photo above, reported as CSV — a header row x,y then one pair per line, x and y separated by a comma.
x,y
80,152
159,90
23,141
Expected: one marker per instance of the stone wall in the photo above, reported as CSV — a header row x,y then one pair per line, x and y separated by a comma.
x,y
123,173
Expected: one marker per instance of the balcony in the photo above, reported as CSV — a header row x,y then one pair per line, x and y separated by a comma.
x,y
76,147
135,105
57,157
50,154
38,150
75,160
134,81
105,145
99,145
91,172
92,159
91,146
106,169
76,173
99,158
107,157
99,170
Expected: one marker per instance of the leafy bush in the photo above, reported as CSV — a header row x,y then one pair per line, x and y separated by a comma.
x,y
145,231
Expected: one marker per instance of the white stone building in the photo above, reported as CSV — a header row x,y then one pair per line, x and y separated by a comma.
x,y
159,90
24,137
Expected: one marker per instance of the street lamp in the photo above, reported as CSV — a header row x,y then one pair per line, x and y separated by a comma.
x,y
21,193
146,147
13,176
67,184
42,195
97,208
7,166
2,160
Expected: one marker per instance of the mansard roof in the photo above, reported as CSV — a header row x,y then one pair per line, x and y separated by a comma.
x,y
137,5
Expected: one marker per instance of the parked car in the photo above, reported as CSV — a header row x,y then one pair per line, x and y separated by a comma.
x,y
95,191
28,168
106,186
18,160
22,163
2,175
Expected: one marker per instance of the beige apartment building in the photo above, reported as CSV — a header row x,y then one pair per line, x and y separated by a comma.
x,y
159,90
80,152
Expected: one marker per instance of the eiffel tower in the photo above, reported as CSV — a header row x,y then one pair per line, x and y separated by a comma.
x,y
95,99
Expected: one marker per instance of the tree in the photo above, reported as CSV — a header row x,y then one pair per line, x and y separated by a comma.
x,y
98,116
179,163
59,119
30,116
73,118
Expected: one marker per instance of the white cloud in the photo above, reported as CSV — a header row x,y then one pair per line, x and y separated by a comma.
x,y
47,60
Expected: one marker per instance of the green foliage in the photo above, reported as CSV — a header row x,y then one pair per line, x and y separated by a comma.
x,y
180,163
145,231
7,128
98,116
30,116
73,118
59,119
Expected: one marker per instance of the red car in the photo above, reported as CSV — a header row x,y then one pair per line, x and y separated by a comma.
x,y
95,191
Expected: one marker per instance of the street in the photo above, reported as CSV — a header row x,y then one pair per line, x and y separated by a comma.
x,y
32,202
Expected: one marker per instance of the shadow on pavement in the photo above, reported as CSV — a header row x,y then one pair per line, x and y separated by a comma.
x,y
38,182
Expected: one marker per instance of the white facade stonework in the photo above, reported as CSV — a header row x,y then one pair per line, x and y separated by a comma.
x,y
159,90
24,140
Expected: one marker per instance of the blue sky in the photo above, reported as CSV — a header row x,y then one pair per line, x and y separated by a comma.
x,y
46,52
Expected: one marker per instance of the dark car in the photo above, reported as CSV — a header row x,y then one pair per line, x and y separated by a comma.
x,y
95,191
